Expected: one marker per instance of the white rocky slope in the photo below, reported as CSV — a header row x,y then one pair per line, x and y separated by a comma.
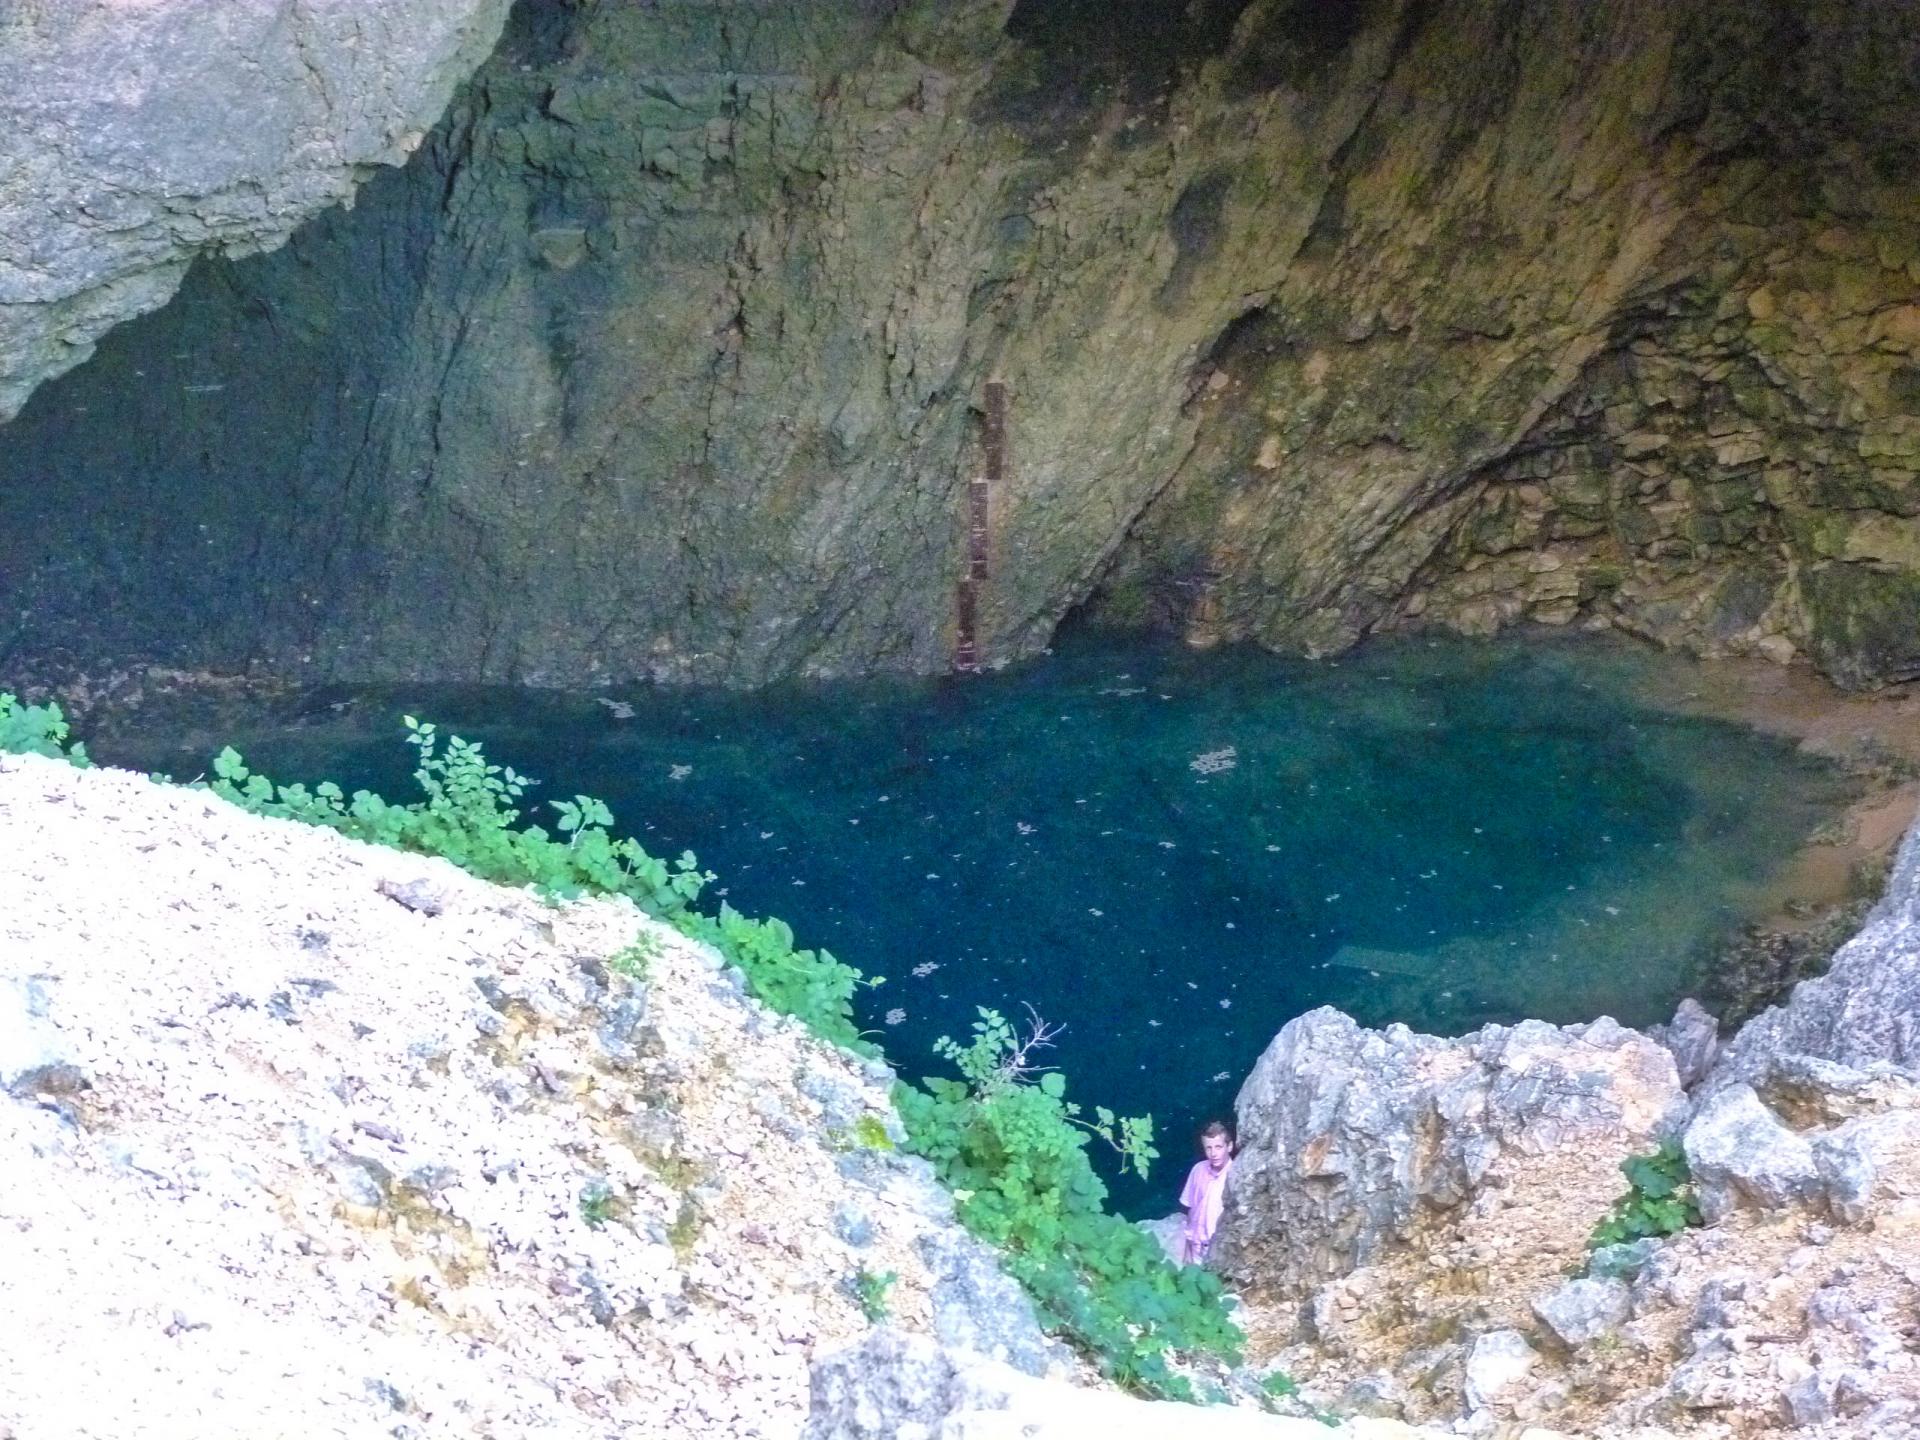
x,y
304,1137
287,1155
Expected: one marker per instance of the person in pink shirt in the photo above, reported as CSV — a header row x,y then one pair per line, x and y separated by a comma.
x,y
1206,1187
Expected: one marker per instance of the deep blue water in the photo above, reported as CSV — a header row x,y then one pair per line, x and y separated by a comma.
x,y
1170,853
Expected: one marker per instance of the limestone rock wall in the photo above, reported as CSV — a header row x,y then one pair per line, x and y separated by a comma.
x,y
665,356
1609,314
1355,1144
136,137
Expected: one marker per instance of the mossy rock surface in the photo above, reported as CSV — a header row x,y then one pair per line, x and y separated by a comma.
x,y
1863,623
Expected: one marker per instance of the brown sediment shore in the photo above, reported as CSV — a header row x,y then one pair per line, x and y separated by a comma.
x,y
1874,736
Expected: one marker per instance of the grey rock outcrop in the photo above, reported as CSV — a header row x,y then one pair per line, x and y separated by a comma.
x,y
666,355
1169,1232
1693,1036
1862,1014
1853,1158
1738,1149
893,1385
1352,1140
1499,1360
1581,1311
135,138
978,1308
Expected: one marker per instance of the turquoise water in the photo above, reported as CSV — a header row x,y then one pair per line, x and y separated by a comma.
x,y
1169,853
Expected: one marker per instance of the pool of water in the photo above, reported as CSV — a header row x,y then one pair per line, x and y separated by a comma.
x,y
1169,853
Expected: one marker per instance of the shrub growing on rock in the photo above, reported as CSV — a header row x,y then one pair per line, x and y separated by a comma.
x,y
470,815
37,730
1012,1148
1659,1199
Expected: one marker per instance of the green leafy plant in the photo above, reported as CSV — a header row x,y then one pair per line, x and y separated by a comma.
x,y
871,1131
808,983
635,961
872,1292
1659,1199
1012,1148
1279,1385
596,1205
470,815
38,730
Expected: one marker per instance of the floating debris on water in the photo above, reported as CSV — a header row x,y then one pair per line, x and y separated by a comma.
x,y
926,968
679,772
895,1016
618,709
1212,762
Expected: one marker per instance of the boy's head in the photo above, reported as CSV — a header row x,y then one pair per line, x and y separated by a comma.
x,y
1216,1143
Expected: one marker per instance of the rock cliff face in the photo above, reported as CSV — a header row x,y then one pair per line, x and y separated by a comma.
x,y
667,354
1407,1212
134,138
1864,1011
1355,1144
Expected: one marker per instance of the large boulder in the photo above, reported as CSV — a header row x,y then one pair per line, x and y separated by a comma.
x,y
134,138
1355,1141
1869,1163
1499,1360
1737,1149
1583,1310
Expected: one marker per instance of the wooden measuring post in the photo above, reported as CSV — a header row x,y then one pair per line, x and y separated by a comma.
x,y
966,653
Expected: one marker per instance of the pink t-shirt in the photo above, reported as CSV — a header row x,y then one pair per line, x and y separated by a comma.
x,y
1204,1192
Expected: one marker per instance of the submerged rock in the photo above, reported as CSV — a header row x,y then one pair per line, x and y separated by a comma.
x,y
1354,1140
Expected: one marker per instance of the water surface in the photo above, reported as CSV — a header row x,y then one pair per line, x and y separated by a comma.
x,y
1170,853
